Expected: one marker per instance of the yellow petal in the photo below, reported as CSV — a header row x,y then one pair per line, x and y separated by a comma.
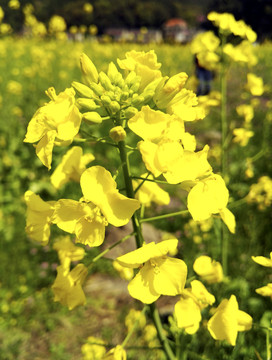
x,y
90,233
229,219
44,148
67,213
169,275
148,151
141,287
139,256
261,260
188,315
265,290
244,321
149,124
99,187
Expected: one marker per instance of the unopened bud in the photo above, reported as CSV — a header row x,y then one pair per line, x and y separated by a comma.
x,y
138,100
97,89
130,112
106,100
105,81
88,69
87,104
114,107
92,117
117,134
83,90
124,96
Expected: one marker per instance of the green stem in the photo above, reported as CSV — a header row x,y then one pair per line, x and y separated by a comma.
x,y
139,241
224,130
152,180
112,246
159,217
163,339
268,346
130,191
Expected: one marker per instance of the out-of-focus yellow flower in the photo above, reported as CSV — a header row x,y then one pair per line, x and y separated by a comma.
x,y
68,252
14,87
143,63
261,260
265,290
124,272
117,353
71,167
73,29
261,193
93,349
150,192
249,168
209,270
82,29
67,288
38,217
88,8
57,122
224,21
241,53
228,320
160,274
247,111
210,196
132,317
255,84
93,30
188,308
14,4
56,24
240,28
206,41
242,136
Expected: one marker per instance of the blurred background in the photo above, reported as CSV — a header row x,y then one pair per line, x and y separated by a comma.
x,y
40,45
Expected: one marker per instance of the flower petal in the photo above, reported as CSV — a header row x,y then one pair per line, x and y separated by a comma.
x,y
67,213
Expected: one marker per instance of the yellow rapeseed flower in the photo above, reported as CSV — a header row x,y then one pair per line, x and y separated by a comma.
x,y
57,122
158,274
242,136
67,288
209,270
255,84
228,320
261,260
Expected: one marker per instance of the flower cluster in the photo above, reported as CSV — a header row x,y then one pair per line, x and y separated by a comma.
x,y
137,104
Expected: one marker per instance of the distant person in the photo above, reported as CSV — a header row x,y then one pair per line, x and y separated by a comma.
x,y
204,78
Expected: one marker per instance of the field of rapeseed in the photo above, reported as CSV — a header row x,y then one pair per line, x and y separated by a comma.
x,y
231,178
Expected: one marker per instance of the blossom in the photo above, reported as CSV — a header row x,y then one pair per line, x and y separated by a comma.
x,y
67,288
102,203
188,308
71,167
246,111
209,270
68,252
158,274
228,320
57,122
242,136
38,217
210,196
93,349
143,64
255,84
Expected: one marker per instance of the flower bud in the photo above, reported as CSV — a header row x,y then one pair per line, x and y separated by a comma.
x,y
124,96
138,100
106,100
117,134
105,81
88,69
97,89
83,90
114,107
87,104
92,117
112,72
167,89
130,112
